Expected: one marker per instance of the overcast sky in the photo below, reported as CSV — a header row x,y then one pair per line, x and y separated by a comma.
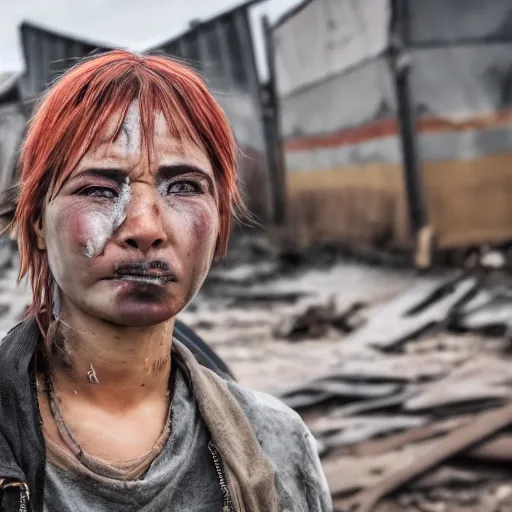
x,y
162,16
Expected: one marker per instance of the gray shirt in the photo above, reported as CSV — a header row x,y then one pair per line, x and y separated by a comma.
x,y
182,477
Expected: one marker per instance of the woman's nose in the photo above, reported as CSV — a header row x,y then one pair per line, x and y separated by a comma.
x,y
143,227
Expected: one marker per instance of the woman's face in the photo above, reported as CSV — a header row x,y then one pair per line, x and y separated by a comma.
x,y
131,242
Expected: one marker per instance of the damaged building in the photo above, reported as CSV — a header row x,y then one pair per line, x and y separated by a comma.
x,y
395,116
219,46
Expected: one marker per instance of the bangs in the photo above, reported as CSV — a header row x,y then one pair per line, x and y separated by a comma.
x,y
101,101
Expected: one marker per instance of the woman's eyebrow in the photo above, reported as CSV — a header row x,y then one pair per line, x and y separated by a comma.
x,y
113,174
166,172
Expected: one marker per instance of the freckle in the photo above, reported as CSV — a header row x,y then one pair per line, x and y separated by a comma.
x,y
117,337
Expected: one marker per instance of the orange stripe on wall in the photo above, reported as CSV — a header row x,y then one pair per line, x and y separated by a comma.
x,y
389,127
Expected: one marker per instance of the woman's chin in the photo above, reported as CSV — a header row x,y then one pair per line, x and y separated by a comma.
x,y
138,314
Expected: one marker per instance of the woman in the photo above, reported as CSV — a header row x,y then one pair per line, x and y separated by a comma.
x,y
127,187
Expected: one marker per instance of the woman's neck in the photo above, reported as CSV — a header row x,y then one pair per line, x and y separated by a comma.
x,y
113,366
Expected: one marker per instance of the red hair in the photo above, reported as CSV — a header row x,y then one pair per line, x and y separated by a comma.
x,y
67,123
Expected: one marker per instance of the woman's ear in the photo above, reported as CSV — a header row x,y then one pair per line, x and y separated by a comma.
x,y
39,231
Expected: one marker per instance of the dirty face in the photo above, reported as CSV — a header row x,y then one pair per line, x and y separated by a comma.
x,y
129,241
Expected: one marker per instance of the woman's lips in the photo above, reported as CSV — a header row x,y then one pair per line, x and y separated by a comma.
x,y
148,279
149,272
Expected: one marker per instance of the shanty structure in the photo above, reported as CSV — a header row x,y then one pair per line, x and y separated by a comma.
x,y
396,115
12,123
219,46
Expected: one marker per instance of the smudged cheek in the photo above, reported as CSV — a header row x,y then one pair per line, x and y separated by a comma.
x,y
202,226
73,227
77,226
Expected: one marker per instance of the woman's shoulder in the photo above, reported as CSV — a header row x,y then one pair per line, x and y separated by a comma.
x,y
265,409
292,450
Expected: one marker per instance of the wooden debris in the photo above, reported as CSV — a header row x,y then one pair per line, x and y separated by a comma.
x,y
445,401
494,317
334,433
373,405
428,304
397,368
316,320
395,441
478,380
317,392
395,407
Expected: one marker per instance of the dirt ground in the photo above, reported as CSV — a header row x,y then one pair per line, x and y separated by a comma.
x,y
240,315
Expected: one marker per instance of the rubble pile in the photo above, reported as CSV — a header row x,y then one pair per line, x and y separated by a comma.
x,y
426,377
404,379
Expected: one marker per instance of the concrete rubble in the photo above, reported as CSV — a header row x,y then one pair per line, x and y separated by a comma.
x,y
384,365
389,368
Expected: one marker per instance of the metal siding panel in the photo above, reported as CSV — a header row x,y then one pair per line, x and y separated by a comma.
x,y
236,52
31,52
46,59
173,49
462,80
437,21
213,69
382,150
183,48
205,56
48,55
327,37
464,84
193,56
360,96
225,59
12,124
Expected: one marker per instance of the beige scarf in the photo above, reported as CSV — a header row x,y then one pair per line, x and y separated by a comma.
x,y
249,473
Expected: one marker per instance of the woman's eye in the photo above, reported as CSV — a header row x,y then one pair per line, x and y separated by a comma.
x,y
105,192
182,187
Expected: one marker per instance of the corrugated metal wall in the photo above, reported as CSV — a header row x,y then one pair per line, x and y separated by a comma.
x,y
12,123
46,56
343,154
221,50
338,109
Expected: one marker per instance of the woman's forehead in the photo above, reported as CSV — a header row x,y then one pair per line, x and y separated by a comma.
x,y
129,136
127,147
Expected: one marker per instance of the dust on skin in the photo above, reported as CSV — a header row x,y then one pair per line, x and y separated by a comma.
x,y
104,222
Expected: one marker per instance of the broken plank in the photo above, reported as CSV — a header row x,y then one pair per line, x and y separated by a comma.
x,y
341,388
412,313
335,434
395,441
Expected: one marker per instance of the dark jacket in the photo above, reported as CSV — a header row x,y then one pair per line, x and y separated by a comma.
x,y
22,449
